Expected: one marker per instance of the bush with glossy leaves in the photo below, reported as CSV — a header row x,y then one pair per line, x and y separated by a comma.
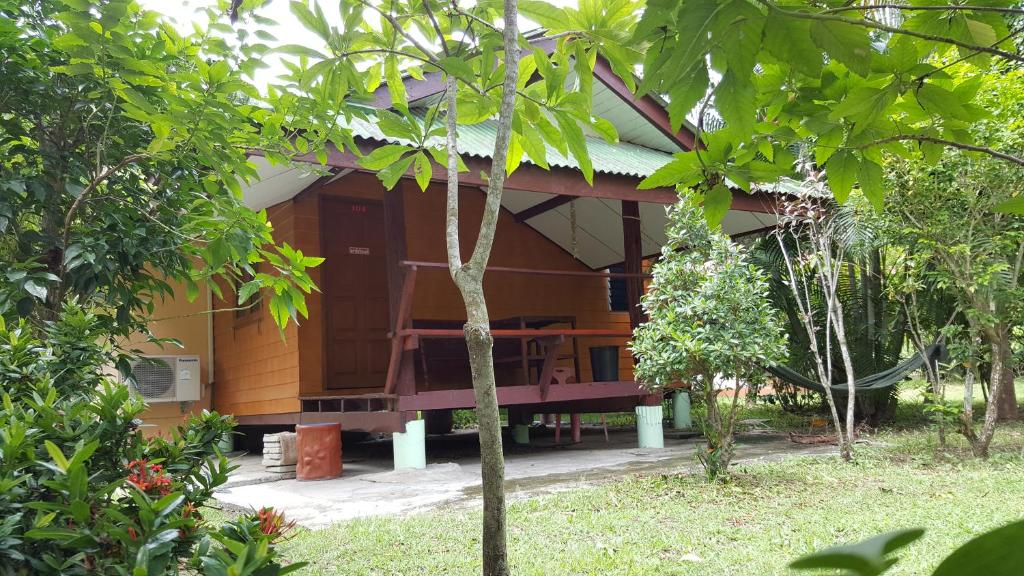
x,y
82,491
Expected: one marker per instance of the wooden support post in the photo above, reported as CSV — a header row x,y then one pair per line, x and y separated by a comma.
x,y
632,249
402,379
577,432
551,345
400,366
558,428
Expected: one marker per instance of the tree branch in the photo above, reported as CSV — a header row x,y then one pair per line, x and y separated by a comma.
x,y
944,142
452,211
96,182
437,27
496,182
892,30
428,54
908,8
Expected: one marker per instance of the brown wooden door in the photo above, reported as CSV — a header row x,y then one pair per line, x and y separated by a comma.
x,y
356,294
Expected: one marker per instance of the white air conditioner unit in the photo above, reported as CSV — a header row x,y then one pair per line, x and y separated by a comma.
x,y
166,378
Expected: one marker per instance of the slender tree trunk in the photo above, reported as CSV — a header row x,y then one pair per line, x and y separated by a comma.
x,y
967,417
988,429
844,350
802,297
1006,400
492,460
468,277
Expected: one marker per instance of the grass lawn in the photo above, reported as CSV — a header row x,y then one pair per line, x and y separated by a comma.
x,y
766,516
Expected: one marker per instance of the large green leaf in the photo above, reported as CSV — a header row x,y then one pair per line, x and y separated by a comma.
x,y
995,553
685,170
577,143
1012,206
789,40
716,204
685,92
868,558
735,99
872,183
846,43
841,171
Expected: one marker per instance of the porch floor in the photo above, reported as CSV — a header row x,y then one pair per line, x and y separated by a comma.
x,y
369,487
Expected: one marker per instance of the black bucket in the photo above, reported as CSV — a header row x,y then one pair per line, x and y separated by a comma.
x,y
604,363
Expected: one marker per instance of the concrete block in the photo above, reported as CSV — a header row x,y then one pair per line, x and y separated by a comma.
x,y
290,468
282,446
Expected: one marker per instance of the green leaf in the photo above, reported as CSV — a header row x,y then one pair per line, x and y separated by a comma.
x,y
606,130
396,87
841,171
716,204
994,553
384,156
35,289
577,143
846,43
867,558
247,290
1011,206
389,176
684,94
56,455
458,67
872,183
312,22
685,170
422,170
735,101
533,145
789,40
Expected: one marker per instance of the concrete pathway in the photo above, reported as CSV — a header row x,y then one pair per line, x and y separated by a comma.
x,y
369,487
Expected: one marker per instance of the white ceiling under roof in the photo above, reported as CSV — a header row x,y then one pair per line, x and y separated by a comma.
x,y
632,126
598,240
276,183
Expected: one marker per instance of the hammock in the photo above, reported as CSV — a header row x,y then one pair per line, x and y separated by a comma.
x,y
880,381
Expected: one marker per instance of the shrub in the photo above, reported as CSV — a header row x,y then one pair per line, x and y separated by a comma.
x,y
81,490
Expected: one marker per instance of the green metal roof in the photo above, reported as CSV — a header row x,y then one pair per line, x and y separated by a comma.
x,y
622,158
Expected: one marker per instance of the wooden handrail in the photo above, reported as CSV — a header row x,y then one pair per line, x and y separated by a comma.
x,y
414,264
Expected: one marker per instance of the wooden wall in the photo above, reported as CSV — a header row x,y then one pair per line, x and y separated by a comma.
x,y
256,371
184,320
515,245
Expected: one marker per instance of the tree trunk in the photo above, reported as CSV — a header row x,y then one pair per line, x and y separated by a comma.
x,y
995,338
469,279
839,328
492,461
1006,400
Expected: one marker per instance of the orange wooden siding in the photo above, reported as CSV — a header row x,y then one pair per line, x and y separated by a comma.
x,y
255,370
176,317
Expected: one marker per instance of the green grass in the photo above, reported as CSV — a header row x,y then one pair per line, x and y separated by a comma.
x,y
764,517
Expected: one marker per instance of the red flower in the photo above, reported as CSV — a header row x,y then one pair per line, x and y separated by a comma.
x,y
150,478
273,523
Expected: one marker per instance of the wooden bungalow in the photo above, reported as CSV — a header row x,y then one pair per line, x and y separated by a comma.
x,y
383,340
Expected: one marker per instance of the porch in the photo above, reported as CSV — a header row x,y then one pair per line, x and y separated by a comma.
x,y
538,362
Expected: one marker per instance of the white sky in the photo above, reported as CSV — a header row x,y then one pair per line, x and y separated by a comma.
x,y
288,29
